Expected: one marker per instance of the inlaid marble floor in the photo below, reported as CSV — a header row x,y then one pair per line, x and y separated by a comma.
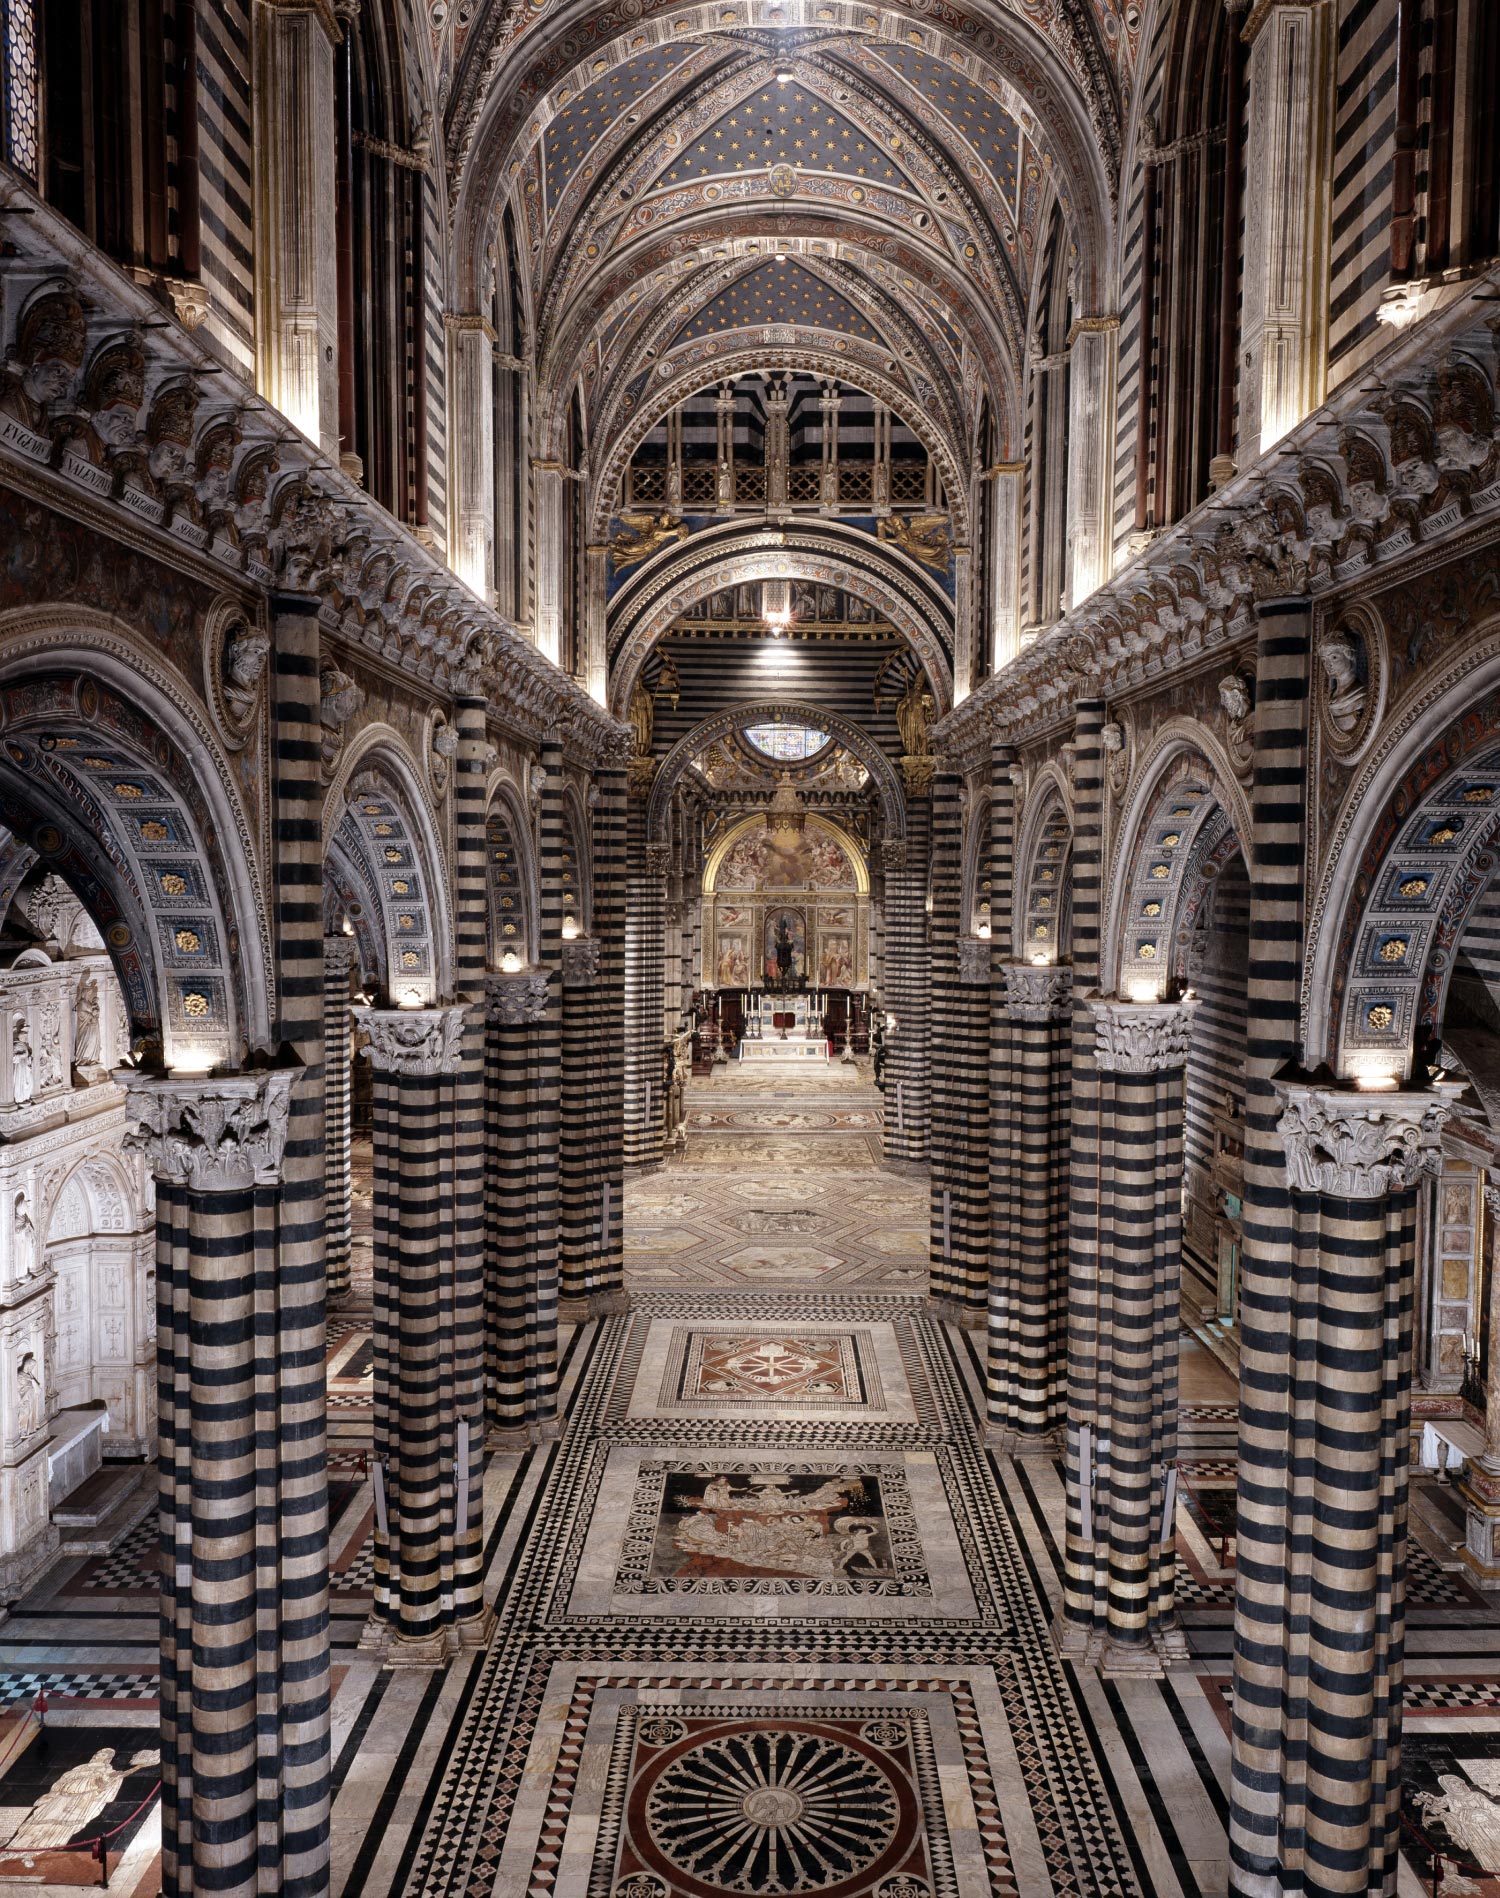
x,y
771,1620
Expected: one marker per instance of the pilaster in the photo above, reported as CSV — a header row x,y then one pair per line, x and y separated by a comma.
x,y
1094,348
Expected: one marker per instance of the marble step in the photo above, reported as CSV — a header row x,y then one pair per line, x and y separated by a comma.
x,y
105,1507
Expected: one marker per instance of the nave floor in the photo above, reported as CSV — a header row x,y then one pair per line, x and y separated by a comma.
x,y
771,1621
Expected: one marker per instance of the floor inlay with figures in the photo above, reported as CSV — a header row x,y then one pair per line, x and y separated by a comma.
x,y
771,1619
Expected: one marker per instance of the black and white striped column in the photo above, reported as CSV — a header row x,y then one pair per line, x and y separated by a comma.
x,y
520,1327
959,1086
1084,1605
905,984
645,992
339,957
1128,1419
1029,1085
1327,1753
216,1147
427,1540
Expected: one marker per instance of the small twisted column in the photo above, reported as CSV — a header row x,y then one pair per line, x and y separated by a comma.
x,y
1127,1400
427,1434
1029,1086
240,1416
338,1052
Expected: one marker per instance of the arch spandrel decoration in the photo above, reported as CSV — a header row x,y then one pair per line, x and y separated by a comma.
x,y
670,772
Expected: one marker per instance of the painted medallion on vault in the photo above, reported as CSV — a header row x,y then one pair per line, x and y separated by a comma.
x,y
772,1529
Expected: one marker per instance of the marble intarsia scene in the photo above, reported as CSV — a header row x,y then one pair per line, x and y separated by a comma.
x,y
771,1618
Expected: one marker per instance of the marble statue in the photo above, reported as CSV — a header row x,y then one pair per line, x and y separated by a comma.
x,y
86,1044
22,1067
28,1397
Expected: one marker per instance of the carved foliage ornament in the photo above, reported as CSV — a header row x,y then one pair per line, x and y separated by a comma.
x,y
418,1041
517,999
974,961
1142,1037
580,963
1033,993
212,1134
1358,1146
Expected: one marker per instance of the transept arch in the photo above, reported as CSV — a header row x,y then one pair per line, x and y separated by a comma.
x,y
111,773
647,605
672,768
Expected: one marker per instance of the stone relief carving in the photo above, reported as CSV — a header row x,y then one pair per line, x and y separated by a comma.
x,y
1116,746
517,999
1034,993
580,963
1141,1037
1358,1145
974,961
412,1040
1236,697
211,1133
342,697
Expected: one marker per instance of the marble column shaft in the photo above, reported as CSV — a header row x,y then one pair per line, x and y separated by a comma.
x,y
338,962
1029,1088
428,1555
906,982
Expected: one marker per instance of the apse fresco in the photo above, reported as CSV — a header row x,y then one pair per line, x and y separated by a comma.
x,y
827,942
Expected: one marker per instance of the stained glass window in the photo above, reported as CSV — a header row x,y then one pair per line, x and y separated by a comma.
x,y
18,23
789,744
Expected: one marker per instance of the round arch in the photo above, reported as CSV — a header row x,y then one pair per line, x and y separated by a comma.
x,y
756,711
1149,874
777,359
1041,921
578,864
113,774
974,867
848,844
1415,844
510,874
378,813
644,610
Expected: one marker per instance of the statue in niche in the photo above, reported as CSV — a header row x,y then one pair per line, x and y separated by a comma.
x,y
25,1235
50,1062
642,719
86,1030
245,654
22,1067
28,1397
914,712
1346,692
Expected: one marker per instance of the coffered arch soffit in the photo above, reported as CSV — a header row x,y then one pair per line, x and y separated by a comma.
x,y
822,553
674,766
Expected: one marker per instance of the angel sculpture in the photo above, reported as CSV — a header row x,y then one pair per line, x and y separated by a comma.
x,y
924,537
642,535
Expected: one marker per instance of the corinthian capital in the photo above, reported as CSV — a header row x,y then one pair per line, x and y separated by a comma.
x,y
1141,1037
1354,1145
413,1040
1036,993
513,1000
974,961
212,1134
580,963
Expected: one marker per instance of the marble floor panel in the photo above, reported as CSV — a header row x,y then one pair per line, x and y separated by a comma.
x,y
770,1617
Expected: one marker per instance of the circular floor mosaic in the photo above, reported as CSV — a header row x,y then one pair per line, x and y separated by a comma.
x,y
774,1808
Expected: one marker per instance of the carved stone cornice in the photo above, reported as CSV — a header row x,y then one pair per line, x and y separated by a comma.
x,y
580,963
514,1000
1352,1144
116,415
210,1133
1405,456
417,1041
974,961
1034,992
1140,1037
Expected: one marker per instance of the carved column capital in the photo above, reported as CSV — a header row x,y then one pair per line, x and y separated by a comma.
x,y
417,1041
1352,1144
1140,1037
974,961
340,956
580,963
659,859
210,1133
513,1000
893,853
1034,992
